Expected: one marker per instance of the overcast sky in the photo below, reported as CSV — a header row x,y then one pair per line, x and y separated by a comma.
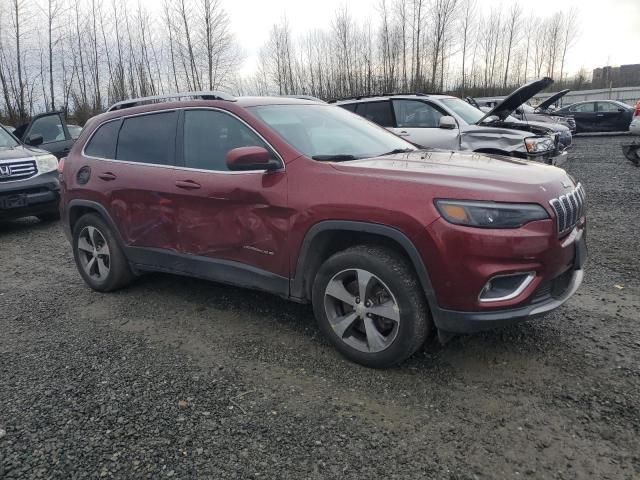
x,y
610,29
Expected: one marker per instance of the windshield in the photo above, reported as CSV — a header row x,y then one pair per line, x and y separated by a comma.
x,y
6,139
468,113
326,131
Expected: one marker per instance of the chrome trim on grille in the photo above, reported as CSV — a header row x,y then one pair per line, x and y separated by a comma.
x,y
569,209
17,170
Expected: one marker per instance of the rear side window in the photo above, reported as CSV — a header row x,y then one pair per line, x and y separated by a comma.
x,y
209,135
103,142
377,112
148,138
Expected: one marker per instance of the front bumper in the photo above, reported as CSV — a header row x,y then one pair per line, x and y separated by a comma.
x,y
34,196
470,322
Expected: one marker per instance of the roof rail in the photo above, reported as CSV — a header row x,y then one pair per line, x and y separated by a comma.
x,y
360,97
305,97
205,95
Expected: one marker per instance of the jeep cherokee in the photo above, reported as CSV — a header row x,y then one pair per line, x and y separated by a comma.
x,y
311,202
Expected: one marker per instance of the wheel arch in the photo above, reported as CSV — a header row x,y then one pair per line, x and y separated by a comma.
x,y
331,236
78,208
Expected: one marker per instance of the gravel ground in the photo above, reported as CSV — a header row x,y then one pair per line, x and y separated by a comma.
x,y
182,378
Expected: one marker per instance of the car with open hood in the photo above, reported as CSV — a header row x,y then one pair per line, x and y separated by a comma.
x,y
447,122
48,131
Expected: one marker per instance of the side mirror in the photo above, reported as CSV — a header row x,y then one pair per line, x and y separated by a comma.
x,y
448,123
34,139
250,158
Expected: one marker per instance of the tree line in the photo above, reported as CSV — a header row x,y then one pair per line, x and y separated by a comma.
x,y
419,46
83,55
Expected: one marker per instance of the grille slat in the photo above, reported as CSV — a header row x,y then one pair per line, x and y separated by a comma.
x,y
569,209
18,170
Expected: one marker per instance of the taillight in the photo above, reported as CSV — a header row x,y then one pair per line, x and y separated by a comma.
x,y
61,165
637,112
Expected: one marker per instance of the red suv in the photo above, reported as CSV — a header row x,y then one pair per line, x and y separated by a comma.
x,y
316,204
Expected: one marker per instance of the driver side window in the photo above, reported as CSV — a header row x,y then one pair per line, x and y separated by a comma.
x,y
210,134
50,127
416,114
584,108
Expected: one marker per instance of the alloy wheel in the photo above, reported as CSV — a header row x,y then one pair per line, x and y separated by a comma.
x,y
93,252
362,310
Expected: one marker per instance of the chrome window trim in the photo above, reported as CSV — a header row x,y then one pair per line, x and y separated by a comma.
x,y
177,167
530,276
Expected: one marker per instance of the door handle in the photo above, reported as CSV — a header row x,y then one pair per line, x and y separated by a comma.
x,y
107,176
187,184
403,134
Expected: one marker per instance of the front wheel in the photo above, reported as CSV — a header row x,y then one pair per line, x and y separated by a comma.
x,y
370,305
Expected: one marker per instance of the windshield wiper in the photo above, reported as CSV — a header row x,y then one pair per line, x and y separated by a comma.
x,y
339,157
398,150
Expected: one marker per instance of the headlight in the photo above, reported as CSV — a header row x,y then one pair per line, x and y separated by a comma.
x,y
47,163
490,214
539,144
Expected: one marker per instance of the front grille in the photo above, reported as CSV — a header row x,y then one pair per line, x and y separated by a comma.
x,y
554,288
17,170
571,122
569,209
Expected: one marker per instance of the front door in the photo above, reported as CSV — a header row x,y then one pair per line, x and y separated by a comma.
x,y
612,117
419,122
237,217
53,129
585,116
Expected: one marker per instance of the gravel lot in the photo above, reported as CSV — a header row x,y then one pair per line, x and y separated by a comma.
x,y
182,378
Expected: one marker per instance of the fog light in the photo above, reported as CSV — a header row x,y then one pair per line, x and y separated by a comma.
x,y
506,287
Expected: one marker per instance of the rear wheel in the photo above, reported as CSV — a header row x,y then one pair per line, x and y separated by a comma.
x,y
369,304
99,258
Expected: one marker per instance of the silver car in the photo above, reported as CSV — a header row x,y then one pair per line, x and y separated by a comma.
x,y
447,122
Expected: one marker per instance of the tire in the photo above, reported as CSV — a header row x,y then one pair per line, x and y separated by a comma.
x,y
393,290
110,269
52,216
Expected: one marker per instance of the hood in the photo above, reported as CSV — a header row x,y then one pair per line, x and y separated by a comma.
x,y
551,100
20,152
469,171
517,98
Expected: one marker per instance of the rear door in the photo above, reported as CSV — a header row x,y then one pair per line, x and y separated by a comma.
x,y
612,117
53,129
230,216
419,122
134,178
379,112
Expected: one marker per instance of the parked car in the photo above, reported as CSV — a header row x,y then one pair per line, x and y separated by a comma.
x,y
315,204
28,180
542,113
599,116
48,131
563,131
446,122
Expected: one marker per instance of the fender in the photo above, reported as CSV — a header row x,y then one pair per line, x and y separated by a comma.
x,y
297,283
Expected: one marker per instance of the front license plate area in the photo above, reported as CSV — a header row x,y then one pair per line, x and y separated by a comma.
x,y
14,201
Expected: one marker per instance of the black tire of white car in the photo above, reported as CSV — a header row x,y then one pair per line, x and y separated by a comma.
x,y
119,273
396,275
